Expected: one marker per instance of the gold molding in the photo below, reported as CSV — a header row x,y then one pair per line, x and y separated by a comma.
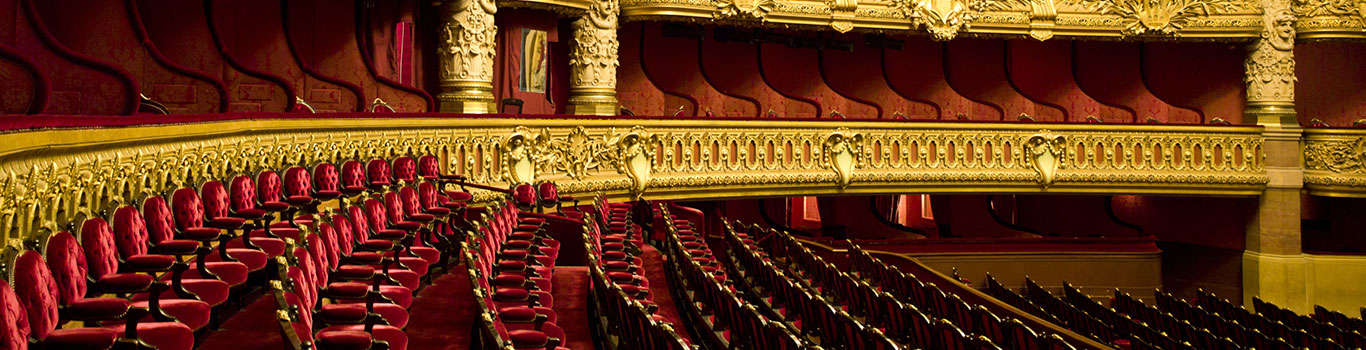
x,y
54,177
945,19
1330,19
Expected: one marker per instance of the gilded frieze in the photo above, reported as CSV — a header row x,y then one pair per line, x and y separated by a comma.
x,y
1330,18
46,188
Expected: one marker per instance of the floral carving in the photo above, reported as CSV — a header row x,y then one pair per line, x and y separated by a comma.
x,y
1338,156
842,152
743,9
593,58
1158,17
467,47
1047,153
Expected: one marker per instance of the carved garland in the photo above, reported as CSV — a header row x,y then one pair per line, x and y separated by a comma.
x,y
1158,17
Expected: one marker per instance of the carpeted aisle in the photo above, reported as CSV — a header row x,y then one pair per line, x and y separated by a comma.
x,y
442,314
571,305
661,291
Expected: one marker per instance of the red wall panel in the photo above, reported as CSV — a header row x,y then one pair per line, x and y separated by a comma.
x,y
1044,72
795,72
1332,82
858,73
1111,72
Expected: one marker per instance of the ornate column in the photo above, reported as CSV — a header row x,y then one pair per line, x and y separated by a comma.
x,y
1273,266
466,56
593,61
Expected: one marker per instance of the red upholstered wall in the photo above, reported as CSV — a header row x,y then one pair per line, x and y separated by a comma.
x,y
1111,72
253,34
796,72
1203,77
180,30
1043,72
977,69
671,63
508,68
635,90
1332,82
917,72
1214,222
325,34
72,83
733,68
119,42
851,74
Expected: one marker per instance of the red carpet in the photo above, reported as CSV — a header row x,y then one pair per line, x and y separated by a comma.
x,y
442,315
254,327
660,290
571,305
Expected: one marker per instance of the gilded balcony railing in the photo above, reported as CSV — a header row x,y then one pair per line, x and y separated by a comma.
x,y
54,177
1335,162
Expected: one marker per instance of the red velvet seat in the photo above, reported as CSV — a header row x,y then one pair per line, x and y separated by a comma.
x,y
379,174
98,242
326,182
353,180
270,192
37,292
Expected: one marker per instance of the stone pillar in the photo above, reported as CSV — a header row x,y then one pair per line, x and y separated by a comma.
x,y
593,61
1273,264
466,53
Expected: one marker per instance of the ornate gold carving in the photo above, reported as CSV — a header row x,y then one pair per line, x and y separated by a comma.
x,y
1346,156
1330,18
1158,17
466,56
519,156
635,158
1047,153
943,19
593,60
661,158
1270,66
842,152
743,9
842,14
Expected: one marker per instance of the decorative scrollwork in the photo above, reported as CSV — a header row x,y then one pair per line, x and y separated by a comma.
x,y
1338,156
756,10
842,152
1047,154
1158,17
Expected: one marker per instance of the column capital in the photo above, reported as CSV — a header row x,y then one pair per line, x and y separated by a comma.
x,y
593,61
1270,68
466,55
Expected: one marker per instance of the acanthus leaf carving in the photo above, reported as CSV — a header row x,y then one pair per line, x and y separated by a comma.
x,y
1270,67
593,58
1338,156
1158,17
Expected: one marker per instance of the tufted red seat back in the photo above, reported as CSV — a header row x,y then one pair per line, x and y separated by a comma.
x,y
328,234
215,199
101,252
187,209
243,193
318,255
130,229
67,263
427,195
353,176
524,195
378,172
14,328
393,209
37,291
326,179
159,221
345,233
549,193
429,167
405,169
376,217
269,188
297,182
411,203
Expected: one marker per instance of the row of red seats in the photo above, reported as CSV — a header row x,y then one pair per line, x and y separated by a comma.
x,y
977,325
368,256
1303,329
138,258
619,287
511,260
708,296
792,299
